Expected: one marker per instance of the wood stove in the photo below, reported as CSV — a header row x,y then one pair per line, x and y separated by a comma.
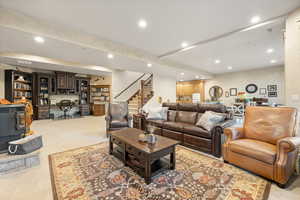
x,y
12,124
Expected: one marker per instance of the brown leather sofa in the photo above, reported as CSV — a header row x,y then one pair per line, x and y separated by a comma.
x,y
117,117
180,126
266,144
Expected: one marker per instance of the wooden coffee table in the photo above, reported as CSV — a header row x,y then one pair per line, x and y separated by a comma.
x,y
146,159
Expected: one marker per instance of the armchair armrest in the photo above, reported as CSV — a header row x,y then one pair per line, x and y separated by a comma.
x,y
287,149
288,144
233,133
221,126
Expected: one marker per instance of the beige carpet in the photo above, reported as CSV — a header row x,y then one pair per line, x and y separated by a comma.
x,y
35,184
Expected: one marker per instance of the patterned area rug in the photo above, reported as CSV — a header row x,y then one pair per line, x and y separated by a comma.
x,y
90,173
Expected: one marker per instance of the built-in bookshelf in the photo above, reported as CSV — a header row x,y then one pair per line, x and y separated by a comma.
x,y
100,94
18,85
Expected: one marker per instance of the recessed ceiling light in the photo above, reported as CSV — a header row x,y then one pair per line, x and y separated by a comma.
x,y
255,19
39,39
142,23
110,56
181,73
273,61
270,50
217,61
197,77
229,68
149,65
184,44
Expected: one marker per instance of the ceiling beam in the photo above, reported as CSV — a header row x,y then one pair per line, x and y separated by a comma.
x,y
224,35
21,22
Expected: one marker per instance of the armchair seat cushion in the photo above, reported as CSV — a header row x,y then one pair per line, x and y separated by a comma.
x,y
196,131
174,126
255,149
118,123
158,123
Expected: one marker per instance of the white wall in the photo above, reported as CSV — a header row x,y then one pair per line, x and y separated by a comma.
x,y
239,80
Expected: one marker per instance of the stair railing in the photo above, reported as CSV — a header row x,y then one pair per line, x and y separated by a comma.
x,y
129,86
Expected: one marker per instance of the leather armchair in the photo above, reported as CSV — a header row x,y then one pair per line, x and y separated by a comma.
x,y
266,144
117,117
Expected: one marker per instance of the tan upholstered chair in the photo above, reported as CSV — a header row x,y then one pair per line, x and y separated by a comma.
x,y
266,144
117,117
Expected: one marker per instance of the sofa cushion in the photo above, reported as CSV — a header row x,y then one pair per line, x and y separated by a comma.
x,y
258,150
186,117
158,123
196,131
172,115
171,106
175,126
118,123
209,120
202,108
192,107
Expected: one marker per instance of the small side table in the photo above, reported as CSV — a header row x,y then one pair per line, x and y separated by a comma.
x,y
139,121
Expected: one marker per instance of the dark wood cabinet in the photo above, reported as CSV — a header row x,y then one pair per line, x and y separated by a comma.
x,y
70,81
53,84
61,79
66,83
41,95
18,85
98,109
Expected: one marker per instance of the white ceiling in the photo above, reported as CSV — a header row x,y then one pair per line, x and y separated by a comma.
x,y
169,23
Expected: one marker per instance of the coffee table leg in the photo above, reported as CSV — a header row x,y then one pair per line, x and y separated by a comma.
x,y
148,172
111,146
173,159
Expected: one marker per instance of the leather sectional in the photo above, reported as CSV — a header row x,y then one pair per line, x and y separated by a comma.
x,y
181,125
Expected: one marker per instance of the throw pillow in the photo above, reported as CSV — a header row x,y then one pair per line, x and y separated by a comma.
x,y
209,120
159,113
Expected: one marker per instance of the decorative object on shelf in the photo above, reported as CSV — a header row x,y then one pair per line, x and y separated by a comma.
x,y
272,88
227,94
215,92
251,88
21,78
262,91
233,91
272,94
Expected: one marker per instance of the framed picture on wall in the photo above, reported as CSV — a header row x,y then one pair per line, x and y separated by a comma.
x,y
233,91
262,91
272,88
272,94
227,94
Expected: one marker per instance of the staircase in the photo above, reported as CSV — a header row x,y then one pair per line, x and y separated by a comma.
x,y
141,90
142,96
